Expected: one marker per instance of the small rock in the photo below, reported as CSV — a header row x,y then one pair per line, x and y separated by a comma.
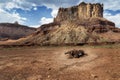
x,y
94,76
75,53
48,76
49,68
35,77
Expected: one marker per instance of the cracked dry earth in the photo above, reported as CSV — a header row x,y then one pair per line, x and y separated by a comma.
x,y
50,63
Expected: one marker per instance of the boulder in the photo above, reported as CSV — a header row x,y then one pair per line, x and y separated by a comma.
x,y
75,53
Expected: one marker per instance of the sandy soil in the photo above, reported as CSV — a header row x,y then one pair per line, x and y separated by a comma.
x,y
50,63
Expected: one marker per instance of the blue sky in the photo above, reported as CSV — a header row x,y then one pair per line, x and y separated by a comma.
x,y
37,12
34,15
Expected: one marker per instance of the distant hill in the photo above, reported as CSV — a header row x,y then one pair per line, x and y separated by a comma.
x,y
14,31
80,24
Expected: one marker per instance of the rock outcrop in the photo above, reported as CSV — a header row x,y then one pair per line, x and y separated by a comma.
x,y
81,11
88,15
75,53
77,25
14,31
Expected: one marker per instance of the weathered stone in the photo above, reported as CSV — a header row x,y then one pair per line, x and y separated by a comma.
x,y
75,53
77,25
83,10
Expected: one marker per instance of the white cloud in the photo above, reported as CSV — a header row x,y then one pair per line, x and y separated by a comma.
x,y
11,17
45,20
54,13
35,26
114,18
22,4
10,5
54,5
108,4
35,8
28,4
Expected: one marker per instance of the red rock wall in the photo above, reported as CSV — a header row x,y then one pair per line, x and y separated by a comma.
x,y
83,10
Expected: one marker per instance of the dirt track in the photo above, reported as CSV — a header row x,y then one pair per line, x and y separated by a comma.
x,y
50,63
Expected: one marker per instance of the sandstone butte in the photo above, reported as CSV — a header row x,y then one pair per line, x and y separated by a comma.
x,y
76,25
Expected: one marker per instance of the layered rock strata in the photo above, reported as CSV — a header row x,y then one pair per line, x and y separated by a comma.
x,y
81,24
14,31
81,11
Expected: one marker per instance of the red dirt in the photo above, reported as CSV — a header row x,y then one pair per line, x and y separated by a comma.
x,y
50,63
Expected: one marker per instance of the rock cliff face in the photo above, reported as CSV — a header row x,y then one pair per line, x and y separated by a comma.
x,y
14,31
88,15
81,11
81,24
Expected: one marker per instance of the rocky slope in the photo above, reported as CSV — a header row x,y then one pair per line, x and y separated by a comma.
x,y
77,25
14,31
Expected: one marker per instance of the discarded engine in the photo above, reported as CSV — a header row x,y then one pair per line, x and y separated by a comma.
x,y
75,53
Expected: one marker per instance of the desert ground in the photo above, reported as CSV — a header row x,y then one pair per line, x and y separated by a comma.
x,y
50,63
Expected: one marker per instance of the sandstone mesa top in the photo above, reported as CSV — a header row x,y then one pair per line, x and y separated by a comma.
x,y
83,10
